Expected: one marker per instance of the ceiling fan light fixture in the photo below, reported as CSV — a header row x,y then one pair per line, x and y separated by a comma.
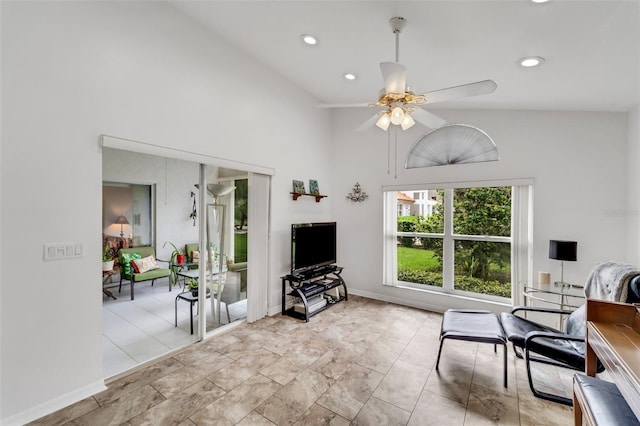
x,y
384,121
397,115
408,122
309,39
531,61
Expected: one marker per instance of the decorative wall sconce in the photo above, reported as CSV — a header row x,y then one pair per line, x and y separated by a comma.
x,y
194,213
357,194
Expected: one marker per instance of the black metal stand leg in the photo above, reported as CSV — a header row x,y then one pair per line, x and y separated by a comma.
x,y
544,395
191,315
504,345
439,352
175,311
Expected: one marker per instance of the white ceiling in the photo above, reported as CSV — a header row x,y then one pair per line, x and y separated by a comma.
x,y
592,48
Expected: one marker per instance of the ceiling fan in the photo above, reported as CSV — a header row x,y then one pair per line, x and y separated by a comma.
x,y
402,106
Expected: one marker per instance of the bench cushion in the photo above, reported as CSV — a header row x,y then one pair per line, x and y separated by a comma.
x,y
151,275
472,325
605,402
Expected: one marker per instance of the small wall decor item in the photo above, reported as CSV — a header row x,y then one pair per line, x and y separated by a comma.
x,y
313,187
194,213
357,194
298,187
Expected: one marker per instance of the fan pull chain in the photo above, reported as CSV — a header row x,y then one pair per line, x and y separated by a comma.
x,y
395,155
388,153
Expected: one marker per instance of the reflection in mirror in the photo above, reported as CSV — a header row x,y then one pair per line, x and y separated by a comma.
x,y
127,216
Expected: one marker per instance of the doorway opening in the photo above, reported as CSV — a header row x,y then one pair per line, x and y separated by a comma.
x,y
173,213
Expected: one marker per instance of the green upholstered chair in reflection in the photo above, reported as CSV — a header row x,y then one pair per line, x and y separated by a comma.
x,y
190,250
147,271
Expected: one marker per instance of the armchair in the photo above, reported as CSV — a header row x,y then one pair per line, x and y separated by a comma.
x,y
127,272
551,346
548,345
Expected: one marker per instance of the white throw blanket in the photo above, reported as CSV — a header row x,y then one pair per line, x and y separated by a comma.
x,y
610,281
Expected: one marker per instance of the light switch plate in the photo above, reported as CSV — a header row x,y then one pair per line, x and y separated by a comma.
x,y
59,251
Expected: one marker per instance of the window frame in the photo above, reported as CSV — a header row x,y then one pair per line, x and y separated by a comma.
x,y
521,237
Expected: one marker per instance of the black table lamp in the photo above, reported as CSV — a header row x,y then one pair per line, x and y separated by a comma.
x,y
563,250
121,220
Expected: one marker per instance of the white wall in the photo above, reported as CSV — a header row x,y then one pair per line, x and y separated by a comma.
x,y
632,212
138,70
578,161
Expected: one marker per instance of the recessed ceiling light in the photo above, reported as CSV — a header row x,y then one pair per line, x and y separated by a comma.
x,y
350,76
539,1
531,61
309,39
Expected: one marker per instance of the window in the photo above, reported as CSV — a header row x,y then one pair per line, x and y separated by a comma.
x,y
470,240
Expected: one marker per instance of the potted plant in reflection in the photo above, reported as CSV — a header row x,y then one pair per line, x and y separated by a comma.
x,y
177,255
177,258
107,259
192,283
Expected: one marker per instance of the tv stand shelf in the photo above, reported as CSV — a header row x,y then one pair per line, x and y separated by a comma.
x,y
303,287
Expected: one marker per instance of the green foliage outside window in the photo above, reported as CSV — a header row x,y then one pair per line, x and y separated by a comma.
x,y
480,266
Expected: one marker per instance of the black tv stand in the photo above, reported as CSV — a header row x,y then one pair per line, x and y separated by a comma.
x,y
307,285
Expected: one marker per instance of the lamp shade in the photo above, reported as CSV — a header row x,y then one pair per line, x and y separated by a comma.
x,y
217,189
563,250
121,220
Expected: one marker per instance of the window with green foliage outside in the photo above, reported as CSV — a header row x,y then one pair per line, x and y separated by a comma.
x,y
455,239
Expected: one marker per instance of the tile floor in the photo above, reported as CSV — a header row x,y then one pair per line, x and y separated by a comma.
x,y
137,331
362,362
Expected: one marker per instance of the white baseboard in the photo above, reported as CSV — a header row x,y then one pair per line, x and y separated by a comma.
x,y
398,300
457,301
274,310
53,405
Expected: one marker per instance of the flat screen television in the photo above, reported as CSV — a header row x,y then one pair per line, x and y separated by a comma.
x,y
312,245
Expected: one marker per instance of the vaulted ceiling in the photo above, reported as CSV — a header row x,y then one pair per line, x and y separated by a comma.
x,y
591,48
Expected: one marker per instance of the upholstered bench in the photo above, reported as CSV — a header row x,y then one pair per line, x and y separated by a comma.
x,y
600,402
127,271
473,326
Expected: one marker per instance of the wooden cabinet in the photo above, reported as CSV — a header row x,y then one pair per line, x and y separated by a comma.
x,y
613,336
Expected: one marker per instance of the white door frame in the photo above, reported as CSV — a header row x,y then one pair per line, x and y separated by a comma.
x,y
258,247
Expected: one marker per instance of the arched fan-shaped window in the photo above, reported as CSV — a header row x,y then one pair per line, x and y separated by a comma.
x,y
452,144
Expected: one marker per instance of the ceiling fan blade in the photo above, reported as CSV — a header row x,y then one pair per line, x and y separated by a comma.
x,y
427,118
367,124
472,89
394,77
343,105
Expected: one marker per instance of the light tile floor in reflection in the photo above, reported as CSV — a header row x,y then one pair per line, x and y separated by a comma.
x,y
137,331
362,362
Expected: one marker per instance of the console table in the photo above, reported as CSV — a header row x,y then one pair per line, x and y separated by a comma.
x,y
313,283
106,276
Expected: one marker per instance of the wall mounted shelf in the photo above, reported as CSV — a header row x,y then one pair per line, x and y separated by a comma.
x,y
297,195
